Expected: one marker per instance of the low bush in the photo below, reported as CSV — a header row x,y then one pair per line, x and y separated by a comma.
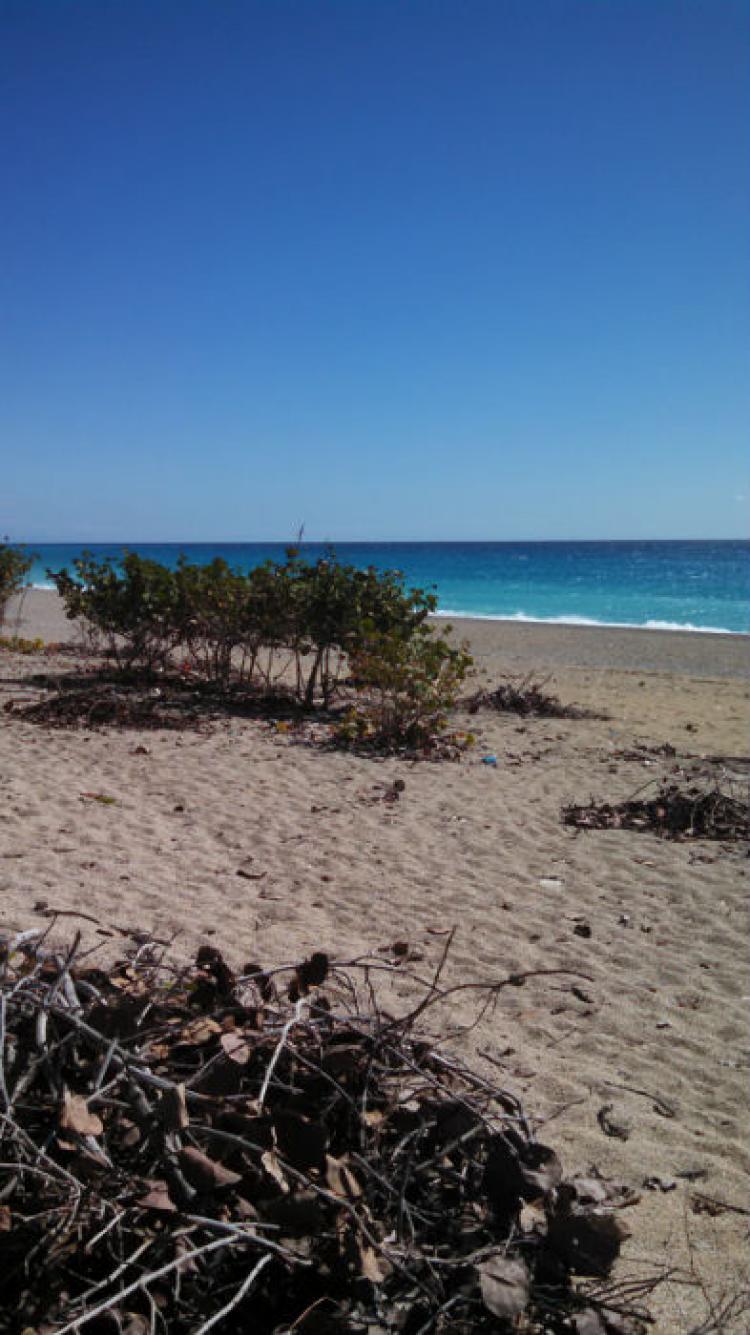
x,y
406,684
130,604
323,627
208,607
15,564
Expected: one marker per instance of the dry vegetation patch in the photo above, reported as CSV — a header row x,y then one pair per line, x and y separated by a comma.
x,y
192,1149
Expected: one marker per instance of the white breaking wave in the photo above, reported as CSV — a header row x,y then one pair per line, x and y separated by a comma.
x,y
566,620
573,620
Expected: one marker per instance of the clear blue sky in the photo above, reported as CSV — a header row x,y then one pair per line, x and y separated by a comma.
x,y
396,268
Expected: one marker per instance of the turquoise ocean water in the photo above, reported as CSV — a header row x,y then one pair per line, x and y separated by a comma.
x,y
703,586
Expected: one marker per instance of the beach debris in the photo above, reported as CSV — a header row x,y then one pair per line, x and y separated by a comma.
x,y
612,1123
642,753
697,811
582,994
489,760
526,696
664,1107
242,1149
711,1205
656,1183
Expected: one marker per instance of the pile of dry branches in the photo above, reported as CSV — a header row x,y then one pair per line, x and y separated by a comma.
x,y
526,697
188,1150
698,811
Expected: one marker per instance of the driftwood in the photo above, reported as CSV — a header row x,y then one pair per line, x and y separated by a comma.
x,y
194,1149
696,811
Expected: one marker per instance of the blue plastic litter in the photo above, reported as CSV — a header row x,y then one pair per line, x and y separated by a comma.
x,y
489,760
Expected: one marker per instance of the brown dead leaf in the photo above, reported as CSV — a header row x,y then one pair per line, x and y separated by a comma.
x,y
373,1267
135,1324
235,1048
206,1174
157,1197
75,1116
340,1179
173,1109
533,1218
505,1286
270,1162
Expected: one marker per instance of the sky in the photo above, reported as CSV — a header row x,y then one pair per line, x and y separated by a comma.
x,y
394,269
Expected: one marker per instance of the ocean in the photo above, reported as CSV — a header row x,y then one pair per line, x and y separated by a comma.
x,y
697,586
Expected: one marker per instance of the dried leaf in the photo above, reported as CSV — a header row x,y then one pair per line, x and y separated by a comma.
x,y
373,1267
200,1031
505,1286
157,1197
340,1179
206,1174
173,1108
235,1048
589,1190
533,1218
75,1116
135,1324
272,1166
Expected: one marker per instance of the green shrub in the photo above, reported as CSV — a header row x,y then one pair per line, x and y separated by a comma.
x,y
339,610
407,685
209,615
15,564
131,603
327,627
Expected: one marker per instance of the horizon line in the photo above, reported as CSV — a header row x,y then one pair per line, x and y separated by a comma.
x,y
332,542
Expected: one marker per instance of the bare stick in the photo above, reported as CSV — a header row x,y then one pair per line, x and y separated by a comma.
x,y
294,1019
244,1288
143,1280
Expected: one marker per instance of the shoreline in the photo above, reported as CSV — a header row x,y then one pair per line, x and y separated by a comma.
x,y
521,618
511,645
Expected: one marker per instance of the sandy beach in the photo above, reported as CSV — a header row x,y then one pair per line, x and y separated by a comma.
x,y
657,1024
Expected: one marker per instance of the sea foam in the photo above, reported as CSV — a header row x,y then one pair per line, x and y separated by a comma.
x,y
574,620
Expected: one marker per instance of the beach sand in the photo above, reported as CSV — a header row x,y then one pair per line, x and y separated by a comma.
x,y
660,1008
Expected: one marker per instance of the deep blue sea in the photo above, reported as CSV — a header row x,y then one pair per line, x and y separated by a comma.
x,y
703,586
